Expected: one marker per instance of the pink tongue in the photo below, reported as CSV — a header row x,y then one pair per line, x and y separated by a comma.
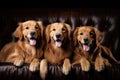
x,y
32,42
58,44
86,47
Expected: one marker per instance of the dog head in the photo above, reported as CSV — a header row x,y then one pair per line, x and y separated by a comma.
x,y
29,31
87,36
57,33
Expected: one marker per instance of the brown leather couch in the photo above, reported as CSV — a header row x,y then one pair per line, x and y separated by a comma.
x,y
107,20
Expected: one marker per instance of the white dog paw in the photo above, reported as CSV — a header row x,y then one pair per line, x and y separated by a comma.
x,y
18,62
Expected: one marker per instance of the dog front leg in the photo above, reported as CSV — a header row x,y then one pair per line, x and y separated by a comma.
x,y
66,66
43,68
34,65
99,63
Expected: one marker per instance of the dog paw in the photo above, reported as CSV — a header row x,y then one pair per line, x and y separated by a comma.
x,y
99,66
18,62
85,65
66,67
43,68
34,65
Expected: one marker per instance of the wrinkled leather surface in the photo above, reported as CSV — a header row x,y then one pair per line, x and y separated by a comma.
x,y
106,20
10,72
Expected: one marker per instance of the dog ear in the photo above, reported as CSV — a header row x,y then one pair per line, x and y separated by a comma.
x,y
75,36
18,32
69,30
41,27
99,36
47,33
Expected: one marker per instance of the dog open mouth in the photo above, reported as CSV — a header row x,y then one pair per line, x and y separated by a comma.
x,y
32,41
58,43
85,46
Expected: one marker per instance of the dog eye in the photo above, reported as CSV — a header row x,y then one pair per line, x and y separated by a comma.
x,y
81,33
54,29
91,33
63,29
27,27
36,27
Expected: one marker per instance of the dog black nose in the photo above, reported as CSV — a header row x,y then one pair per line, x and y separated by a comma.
x,y
86,40
32,33
58,35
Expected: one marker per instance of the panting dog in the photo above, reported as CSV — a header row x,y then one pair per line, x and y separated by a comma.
x,y
88,49
28,48
58,47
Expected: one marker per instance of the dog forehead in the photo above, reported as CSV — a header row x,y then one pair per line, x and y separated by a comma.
x,y
85,29
29,23
57,25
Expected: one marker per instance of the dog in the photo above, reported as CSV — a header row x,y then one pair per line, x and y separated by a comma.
x,y
89,51
28,48
58,47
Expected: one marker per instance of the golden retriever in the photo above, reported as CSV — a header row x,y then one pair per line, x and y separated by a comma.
x,y
28,48
58,47
88,50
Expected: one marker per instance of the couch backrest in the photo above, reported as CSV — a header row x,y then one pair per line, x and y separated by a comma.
x,y
106,20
